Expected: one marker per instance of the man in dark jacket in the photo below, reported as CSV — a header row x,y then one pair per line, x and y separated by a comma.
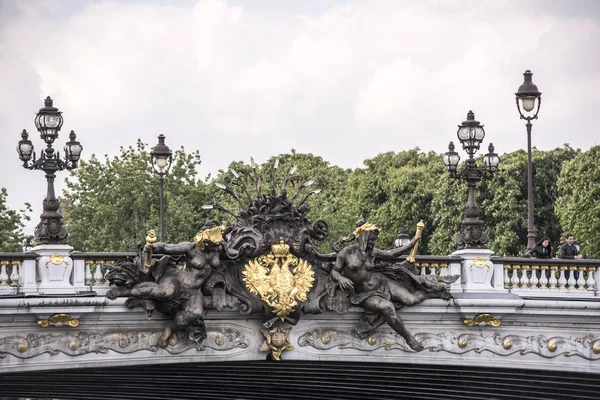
x,y
570,252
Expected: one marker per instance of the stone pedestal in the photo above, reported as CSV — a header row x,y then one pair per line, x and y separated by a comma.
x,y
54,268
477,271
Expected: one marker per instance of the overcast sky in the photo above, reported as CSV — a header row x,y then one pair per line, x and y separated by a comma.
x,y
345,80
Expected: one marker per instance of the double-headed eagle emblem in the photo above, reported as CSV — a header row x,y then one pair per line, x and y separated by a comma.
x,y
279,278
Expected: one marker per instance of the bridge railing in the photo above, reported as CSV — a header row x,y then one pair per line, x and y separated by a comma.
x,y
435,265
17,271
21,274
89,270
549,277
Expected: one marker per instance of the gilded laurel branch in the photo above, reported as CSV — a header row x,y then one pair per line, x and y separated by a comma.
x,y
280,279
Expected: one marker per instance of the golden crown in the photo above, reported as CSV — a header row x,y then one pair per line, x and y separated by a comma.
x,y
213,235
281,249
367,226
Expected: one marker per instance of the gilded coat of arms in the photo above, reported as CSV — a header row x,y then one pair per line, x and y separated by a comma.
x,y
279,278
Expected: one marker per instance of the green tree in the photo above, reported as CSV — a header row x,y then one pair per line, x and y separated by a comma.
x,y
503,199
112,203
12,223
395,190
578,204
447,206
329,204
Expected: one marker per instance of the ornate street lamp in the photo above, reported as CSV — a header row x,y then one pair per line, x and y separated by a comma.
x,y
470,134
402,239
161,163
529,95
48,122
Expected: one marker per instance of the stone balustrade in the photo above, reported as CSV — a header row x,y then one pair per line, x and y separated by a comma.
x,y
20,274
17,274
549,277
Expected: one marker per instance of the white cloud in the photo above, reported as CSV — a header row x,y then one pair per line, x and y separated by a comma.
x,y
233,81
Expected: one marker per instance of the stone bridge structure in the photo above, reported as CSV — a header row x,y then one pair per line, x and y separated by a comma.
x,y
514,327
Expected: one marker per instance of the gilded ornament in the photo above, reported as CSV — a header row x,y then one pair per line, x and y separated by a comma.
x,y
74,345
552,345
219,340
212,235
596,347
276,341
367,226
413,252
479,263
326,337
59,320
462,342
483,319
150,240
56,259
273,279
23,347
507,344
372,341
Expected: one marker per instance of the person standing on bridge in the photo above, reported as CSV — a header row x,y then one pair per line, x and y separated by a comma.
x,y
569,251
542,249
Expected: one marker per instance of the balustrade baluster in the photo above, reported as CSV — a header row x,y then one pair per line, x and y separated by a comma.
x,y
525,275
507,284
534,276
514,280
98,277
581,278
14,276
553,281
543,277
88,272
108,262
591,282
562,281
432,269
572,281
440,270
3,274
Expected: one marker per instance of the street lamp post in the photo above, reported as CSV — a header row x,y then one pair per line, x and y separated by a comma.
x,y
48,122
528,93
161,163
470,134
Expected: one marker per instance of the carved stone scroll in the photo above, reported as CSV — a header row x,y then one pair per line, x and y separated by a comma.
x,y
125,342
586,347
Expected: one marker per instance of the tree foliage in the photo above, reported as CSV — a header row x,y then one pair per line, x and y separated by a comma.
x,y
114,202
12,223
504,199
396,190
578,204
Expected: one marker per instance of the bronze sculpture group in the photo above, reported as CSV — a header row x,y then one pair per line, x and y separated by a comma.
x,y
266,262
